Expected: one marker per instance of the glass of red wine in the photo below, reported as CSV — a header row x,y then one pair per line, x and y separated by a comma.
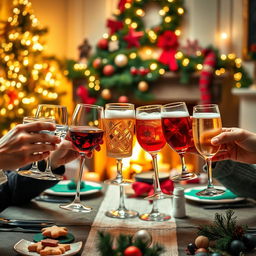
x,y
177,129
150,137
85,133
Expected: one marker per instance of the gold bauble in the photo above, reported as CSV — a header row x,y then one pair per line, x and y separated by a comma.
x,y
143,86
121,60
106,94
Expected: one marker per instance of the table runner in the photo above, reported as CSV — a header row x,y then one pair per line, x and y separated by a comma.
x,y
162,232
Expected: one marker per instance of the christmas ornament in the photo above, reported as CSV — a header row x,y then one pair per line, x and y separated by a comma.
x,y
191,248
83,93
113,46
143,71
123,99
96,63
201,254
236,247
114,26
132,251
106,94
249,241
121,60
133,71
143,86
202,242
144,236
108,70
132,38
192,47
169,43
201,250
84,50
103,44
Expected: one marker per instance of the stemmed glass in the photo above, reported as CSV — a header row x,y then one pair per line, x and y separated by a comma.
x,y
150,136
119,127
85,133
176,125
34,171
206,125
60,115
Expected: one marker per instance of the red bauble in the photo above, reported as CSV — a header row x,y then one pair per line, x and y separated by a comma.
x,y
96,63
108,70
133,71
132,251
123,99
103,44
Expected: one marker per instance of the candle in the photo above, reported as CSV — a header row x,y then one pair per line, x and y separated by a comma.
x,y
224,43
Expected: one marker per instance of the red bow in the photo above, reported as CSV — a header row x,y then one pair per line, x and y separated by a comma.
x,y
114,25
141,188
121,4
169,43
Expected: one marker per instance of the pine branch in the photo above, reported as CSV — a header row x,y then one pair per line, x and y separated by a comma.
x,y
105,244
123,242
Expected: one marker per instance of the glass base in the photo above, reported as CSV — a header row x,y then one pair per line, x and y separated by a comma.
x,y
121,214
117,182
210,192
155,217
76,207
40,175
158,196
184,176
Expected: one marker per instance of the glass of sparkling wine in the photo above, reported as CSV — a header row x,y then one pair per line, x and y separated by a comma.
x,y
206,125
34,172
119,125
151,138
60,115
85,133
177,127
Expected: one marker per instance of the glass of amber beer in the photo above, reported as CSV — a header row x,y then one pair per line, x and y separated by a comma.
x,y
206,125
119,125
177,127
151,138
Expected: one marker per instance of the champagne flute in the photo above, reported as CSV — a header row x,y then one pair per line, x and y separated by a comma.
x,y
119,127
206,125
150,136
59,114
86,134
176,125
34,172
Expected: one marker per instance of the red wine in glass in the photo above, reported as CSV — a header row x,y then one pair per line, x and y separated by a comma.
x,y
177,132
85,138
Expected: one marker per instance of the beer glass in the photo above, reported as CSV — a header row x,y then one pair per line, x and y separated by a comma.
x,y
119,124
150,136
176,125
207,124
86,134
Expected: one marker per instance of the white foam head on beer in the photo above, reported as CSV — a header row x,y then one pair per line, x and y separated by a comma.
x,y
148,116
174,114
206,115
122,113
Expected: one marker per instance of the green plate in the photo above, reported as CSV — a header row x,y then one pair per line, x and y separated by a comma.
x,y
69,238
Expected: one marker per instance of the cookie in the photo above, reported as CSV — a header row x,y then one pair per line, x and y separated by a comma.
x,y
50,242
52,250
54,231
36,247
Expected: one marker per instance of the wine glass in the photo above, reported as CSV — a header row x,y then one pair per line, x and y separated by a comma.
x,y
85,133
34,172
176,125
119,128
150,137
60,115
207,124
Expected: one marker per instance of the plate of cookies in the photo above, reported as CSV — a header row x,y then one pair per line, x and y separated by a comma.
x,y
52,240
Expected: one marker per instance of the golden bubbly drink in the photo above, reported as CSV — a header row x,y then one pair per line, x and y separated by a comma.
x,y
205,127
119,131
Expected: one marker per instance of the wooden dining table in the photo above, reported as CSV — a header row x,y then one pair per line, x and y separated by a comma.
x,y
80,223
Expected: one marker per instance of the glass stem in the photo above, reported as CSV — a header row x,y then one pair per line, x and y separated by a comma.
x,y
35,167
78,185
119,166
183,164
157,187
209,172
155,206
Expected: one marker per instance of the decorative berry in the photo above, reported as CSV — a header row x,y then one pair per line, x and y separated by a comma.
x,y
132,251
192,248
249,242
202,242
236,247
133,71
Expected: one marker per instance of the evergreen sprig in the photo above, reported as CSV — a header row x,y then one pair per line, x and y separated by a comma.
x,y
108,245
223,230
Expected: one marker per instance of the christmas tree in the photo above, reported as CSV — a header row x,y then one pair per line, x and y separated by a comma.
x,y
131,56
27,76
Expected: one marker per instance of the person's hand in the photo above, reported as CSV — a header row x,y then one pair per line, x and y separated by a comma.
x,y
236,144
65,153
24,144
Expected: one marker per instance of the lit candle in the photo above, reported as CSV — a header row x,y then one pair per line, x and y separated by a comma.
x,y
224,43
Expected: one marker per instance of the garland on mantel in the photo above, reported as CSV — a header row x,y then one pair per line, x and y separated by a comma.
x,y
130,56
